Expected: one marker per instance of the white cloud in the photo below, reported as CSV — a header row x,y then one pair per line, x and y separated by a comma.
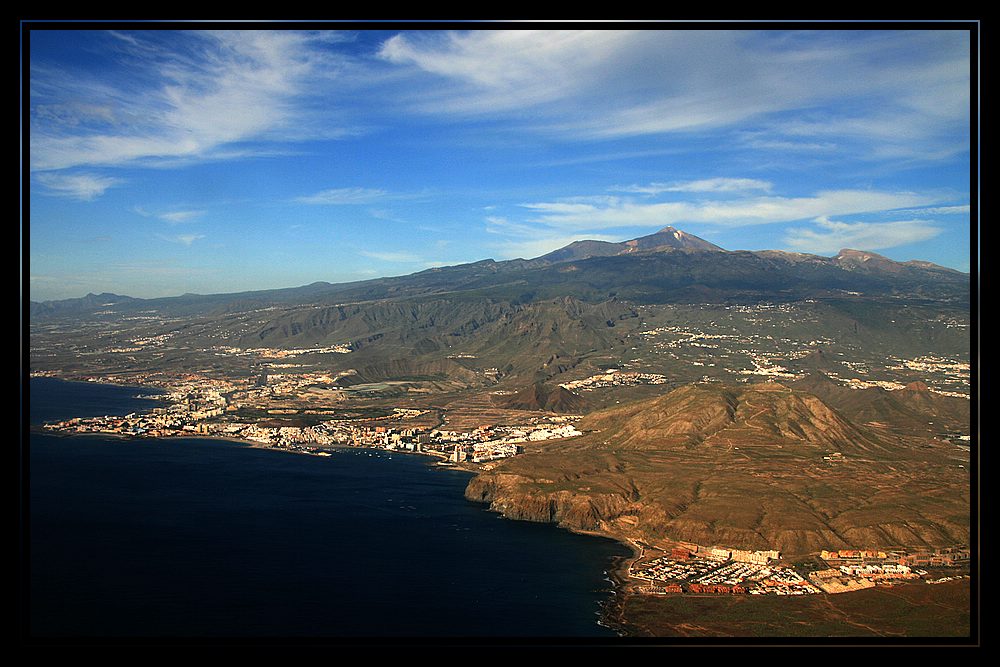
x,y
344,196
897,134
83,187
830,236
752,140
729,212
507,69
606,83
175,217
397,257
942,210
205,91
705,185
184,239
600,83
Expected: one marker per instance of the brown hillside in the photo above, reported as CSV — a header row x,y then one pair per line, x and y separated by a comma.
x,y
767,414
907,410
747,466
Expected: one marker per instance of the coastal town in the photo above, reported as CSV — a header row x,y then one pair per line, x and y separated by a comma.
x,y
693,569
197,407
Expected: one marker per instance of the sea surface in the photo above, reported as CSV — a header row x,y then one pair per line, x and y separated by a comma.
x,y
205,538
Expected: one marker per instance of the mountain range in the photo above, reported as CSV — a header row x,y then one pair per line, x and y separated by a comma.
x,y
669,266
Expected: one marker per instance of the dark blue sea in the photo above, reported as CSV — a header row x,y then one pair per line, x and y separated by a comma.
x,y
199,538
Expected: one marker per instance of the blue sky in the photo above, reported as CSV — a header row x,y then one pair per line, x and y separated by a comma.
x,y
164,162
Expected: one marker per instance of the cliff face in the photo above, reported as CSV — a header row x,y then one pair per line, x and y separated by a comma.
x,y
618,516
505,494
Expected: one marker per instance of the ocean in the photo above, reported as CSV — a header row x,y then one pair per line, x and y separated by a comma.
x,y
203,538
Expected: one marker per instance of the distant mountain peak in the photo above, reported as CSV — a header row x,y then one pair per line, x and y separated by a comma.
x,y
673,238
859,255
865,260
668,238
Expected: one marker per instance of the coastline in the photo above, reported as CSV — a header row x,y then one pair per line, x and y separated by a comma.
x,y
616,571
253,444
125,385
612,611
609,610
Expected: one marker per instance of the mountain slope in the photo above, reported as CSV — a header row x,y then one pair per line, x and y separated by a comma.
x,y
744,467
908,409
765,415
541,397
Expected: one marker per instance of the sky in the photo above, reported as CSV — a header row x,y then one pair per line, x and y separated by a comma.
x,y
162,162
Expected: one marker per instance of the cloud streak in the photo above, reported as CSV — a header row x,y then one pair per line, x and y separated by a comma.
x,y
343,196
173,217
82,187
716,185
831,236
395,257
904,92
964,209
745,211
183,96
183,239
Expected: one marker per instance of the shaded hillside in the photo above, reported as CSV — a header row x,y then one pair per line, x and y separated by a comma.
x,y
541,397
536,340
407,370
907,409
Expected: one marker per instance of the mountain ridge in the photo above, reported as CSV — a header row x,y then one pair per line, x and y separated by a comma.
x,y
668,262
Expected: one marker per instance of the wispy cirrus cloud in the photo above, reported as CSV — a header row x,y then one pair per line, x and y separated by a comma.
x,y
395,257
743,211
505,69
183,239
709,185
174,217
830,236
182,95
896,90
79,186
343,196
963,209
